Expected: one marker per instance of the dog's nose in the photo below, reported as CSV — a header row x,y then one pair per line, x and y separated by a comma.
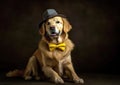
x,y
52,28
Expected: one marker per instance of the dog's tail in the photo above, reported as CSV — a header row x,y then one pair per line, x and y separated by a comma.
x,y
15,73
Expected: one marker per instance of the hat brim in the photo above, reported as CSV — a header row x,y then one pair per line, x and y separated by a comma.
x,y
40,24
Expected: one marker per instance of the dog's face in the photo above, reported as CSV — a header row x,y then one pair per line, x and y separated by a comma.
x,y
55,26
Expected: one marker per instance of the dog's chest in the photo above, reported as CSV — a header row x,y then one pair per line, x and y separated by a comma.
x,y
57,55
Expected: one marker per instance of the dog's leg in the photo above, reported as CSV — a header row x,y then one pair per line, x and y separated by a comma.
x,y
71,72
50,73
31,69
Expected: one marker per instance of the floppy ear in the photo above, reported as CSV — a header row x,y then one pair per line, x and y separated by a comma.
x,y
42,29
67,27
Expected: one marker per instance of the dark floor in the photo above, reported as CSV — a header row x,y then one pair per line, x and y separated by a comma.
x,y
90,79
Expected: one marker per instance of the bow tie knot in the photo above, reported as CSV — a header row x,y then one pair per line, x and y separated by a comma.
x,y
60,46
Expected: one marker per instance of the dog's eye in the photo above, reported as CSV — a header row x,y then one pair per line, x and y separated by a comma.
x,y
57,22
48,23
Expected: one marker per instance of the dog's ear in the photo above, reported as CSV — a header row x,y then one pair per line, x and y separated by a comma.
x,y
42,29
67,27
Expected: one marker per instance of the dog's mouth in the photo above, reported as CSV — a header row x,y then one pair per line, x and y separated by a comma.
x,y
54,34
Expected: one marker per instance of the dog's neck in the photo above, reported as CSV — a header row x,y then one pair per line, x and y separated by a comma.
x,y
56,40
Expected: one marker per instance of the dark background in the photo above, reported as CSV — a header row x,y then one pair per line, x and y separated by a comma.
x,y
95,32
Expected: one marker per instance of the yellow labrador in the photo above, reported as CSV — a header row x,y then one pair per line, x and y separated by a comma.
x,y
55,62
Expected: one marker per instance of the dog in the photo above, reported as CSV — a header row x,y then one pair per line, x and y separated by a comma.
x,y
53,55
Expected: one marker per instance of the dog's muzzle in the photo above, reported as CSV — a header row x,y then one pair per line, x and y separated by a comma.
x,y
54,31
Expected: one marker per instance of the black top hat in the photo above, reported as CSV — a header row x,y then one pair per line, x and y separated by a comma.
x,y
49,13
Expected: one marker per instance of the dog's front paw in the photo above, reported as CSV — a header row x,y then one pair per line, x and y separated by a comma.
x,y
27,77
58,80
78,80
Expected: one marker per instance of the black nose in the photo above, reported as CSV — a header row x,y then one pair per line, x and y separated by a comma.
x,y
52,28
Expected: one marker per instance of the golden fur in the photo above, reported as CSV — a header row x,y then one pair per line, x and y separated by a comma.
x,y
54,64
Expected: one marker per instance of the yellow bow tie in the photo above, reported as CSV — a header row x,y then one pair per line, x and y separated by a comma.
x,y
60,46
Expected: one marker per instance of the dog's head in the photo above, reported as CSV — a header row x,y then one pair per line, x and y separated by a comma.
x,y
55,27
